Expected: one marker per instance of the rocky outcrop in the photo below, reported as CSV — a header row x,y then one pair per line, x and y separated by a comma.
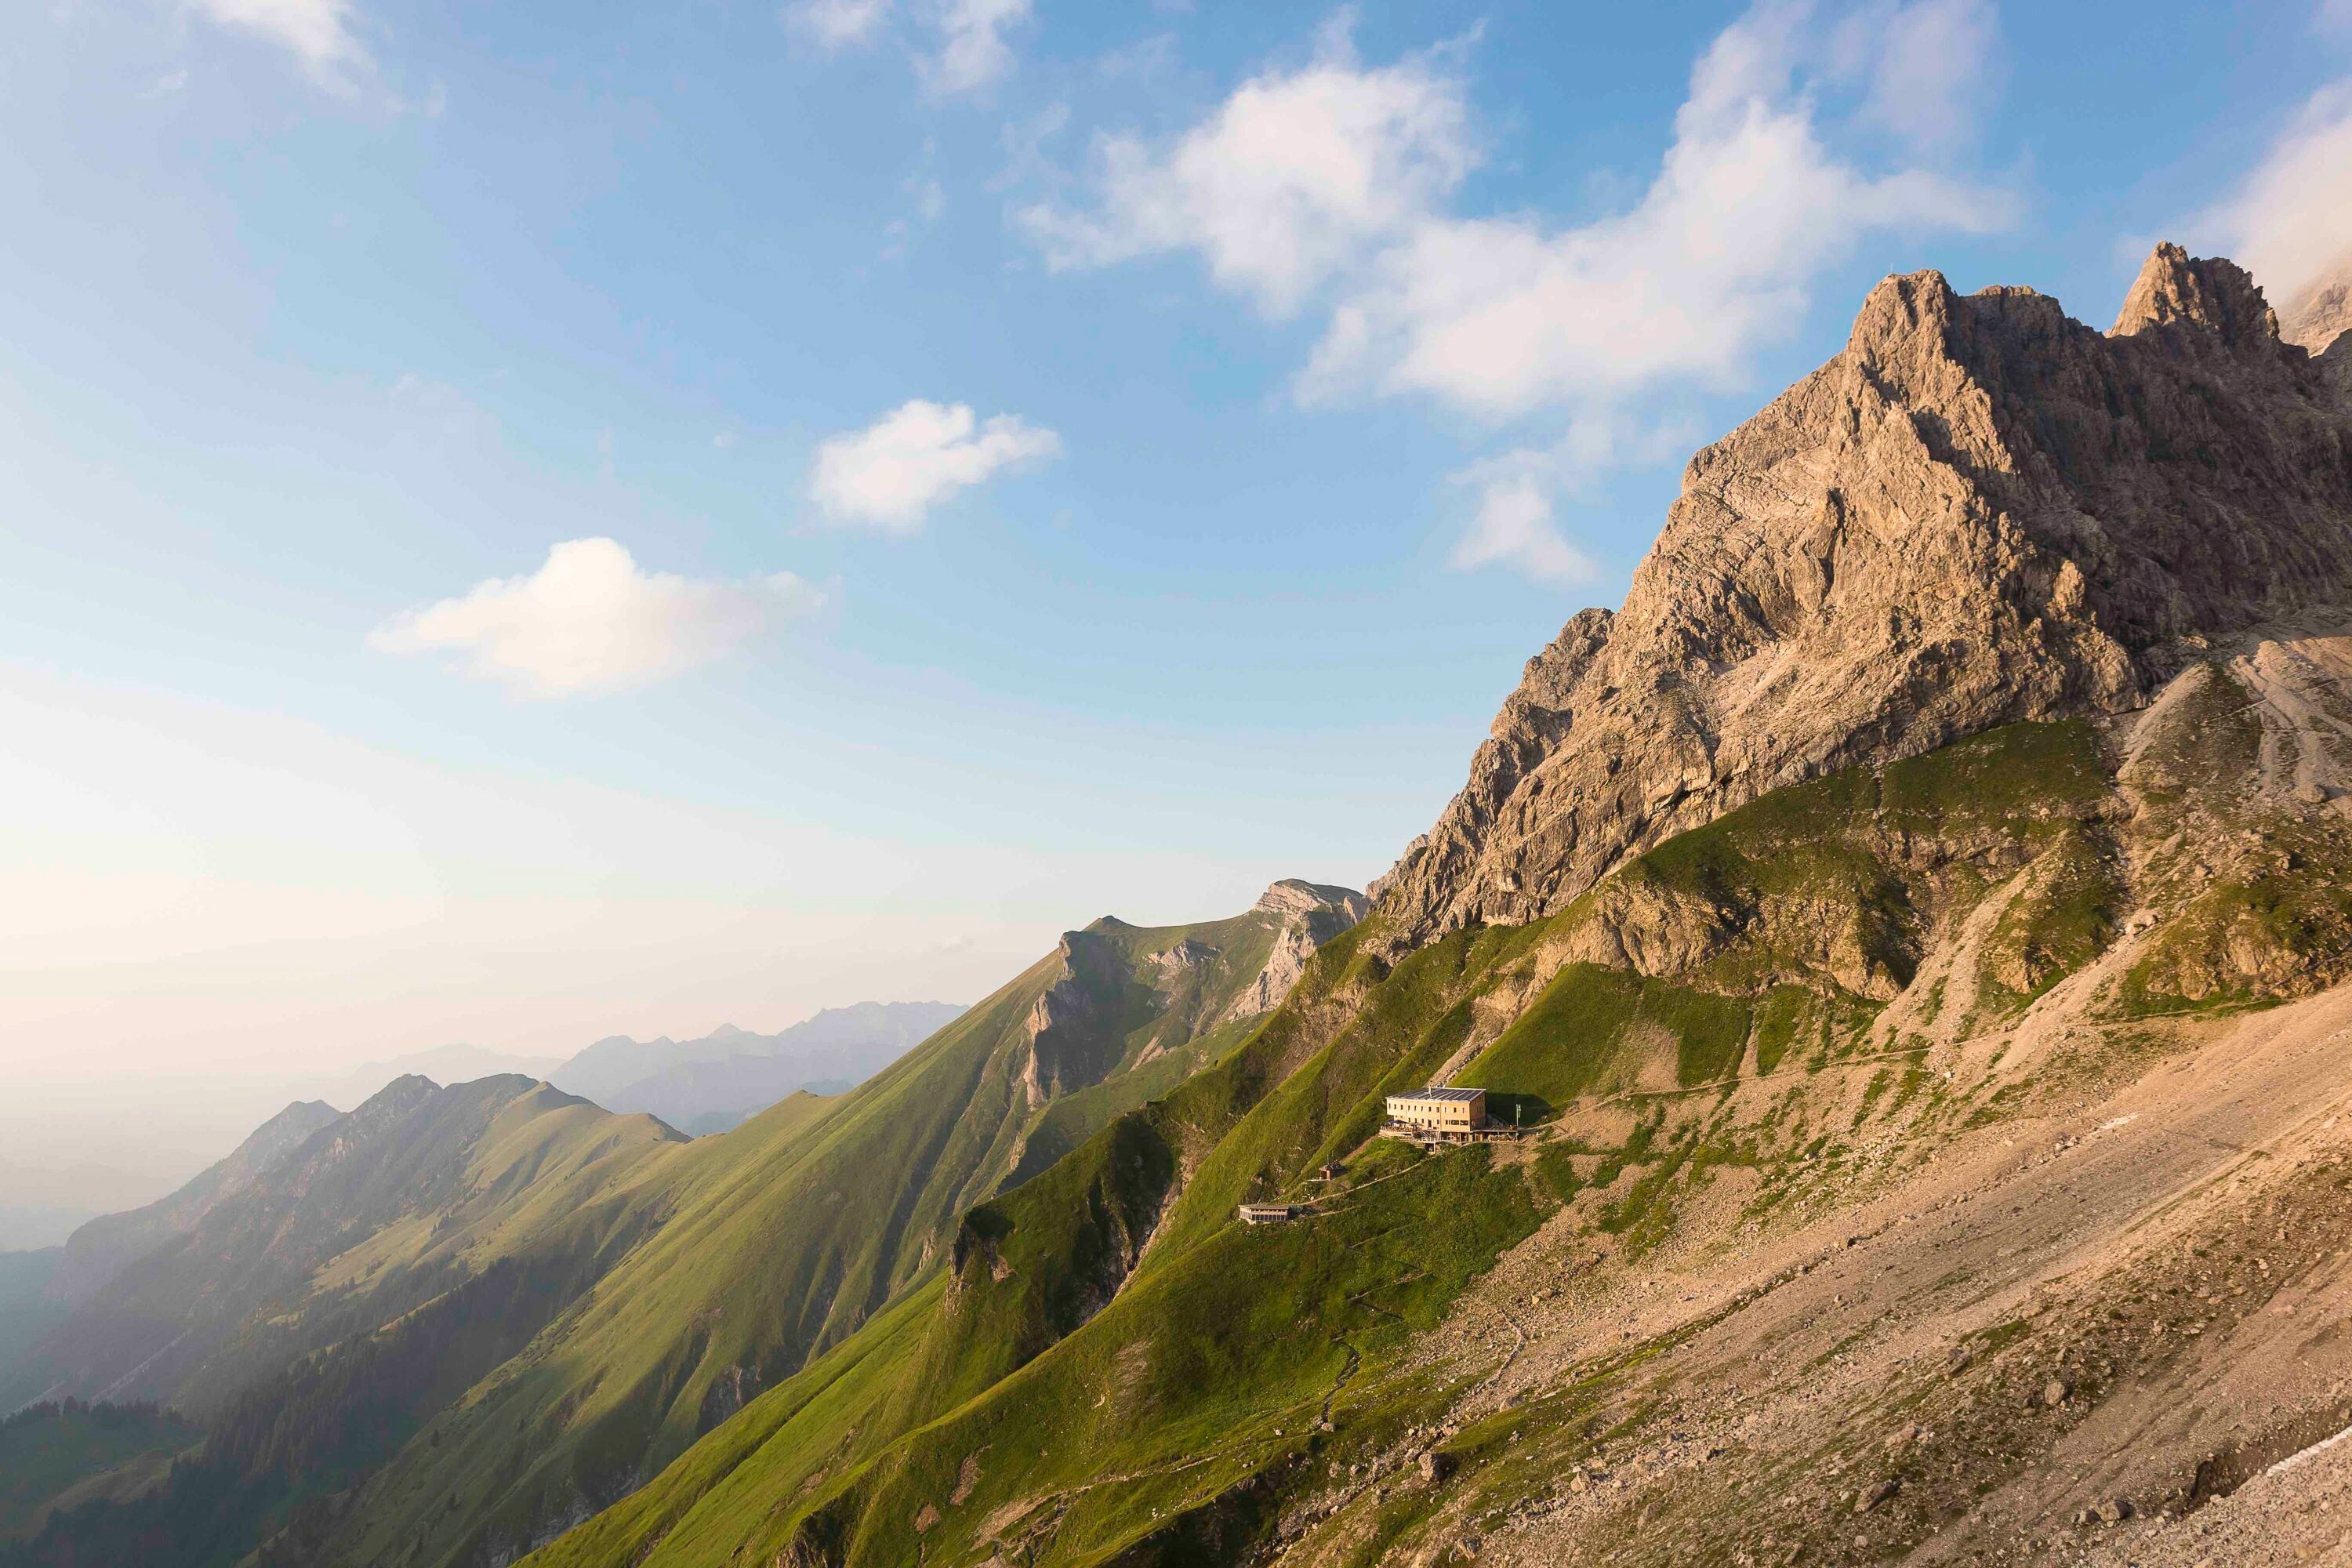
x,y
1292,898
1079,1032
2213,294
1312,914
1980,512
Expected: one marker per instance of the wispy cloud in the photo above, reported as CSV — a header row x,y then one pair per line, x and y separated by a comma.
x,y
590,620
839,24
971,52
1515,528
1515,523
1927,68
964,49
890,474
320,33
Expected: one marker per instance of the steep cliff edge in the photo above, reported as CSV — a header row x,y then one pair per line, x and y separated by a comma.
x,y
1981,511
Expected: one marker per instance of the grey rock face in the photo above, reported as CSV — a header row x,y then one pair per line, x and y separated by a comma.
x,y
1981,511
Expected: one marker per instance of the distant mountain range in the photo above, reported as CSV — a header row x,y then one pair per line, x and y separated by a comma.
x,y
699,1086
716,1082
442,1064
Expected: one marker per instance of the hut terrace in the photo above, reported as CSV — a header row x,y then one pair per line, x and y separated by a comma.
x,y
1269,1213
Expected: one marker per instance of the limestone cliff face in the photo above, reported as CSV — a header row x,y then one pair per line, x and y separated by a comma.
x,y
1980,512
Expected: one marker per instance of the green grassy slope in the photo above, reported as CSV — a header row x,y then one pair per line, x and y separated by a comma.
x,y
323,1313
1116,1367
773,1250
372,1217
47,1450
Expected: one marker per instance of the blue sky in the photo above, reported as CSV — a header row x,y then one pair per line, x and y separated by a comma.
x,y
528,522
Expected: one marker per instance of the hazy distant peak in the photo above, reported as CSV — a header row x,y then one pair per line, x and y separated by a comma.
x,y
401,1094
733,1072
2322,311
311,1114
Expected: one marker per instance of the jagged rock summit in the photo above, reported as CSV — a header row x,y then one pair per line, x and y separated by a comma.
x,y
1980,512
2213,293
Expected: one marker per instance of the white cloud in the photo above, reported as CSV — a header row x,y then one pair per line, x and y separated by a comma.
x,y
1504,315
1515,528
837,24
1286,184
589,620
1930,62
1515,524
893,471
1335,182
972,52
2292,218
319,32
967,50
2334,16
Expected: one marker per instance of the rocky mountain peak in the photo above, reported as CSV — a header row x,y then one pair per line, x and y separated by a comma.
x,y
1295,896
2213,292
2321,312
1980,512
